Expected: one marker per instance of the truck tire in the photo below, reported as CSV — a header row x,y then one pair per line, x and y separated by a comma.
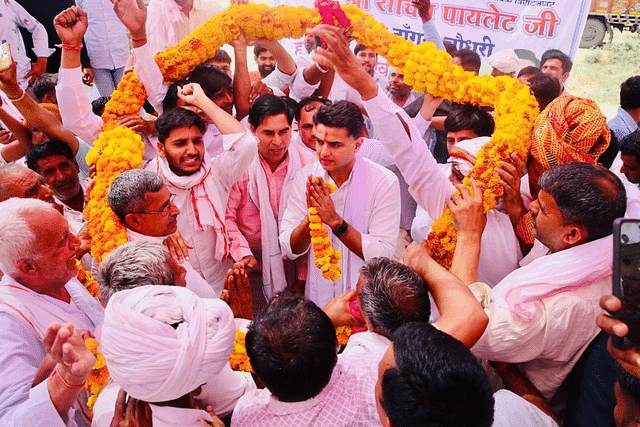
x,y
593,35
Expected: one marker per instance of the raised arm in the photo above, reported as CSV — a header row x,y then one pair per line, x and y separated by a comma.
x,y
462,316
16,149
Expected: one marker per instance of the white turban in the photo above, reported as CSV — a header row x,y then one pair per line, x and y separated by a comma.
x,y
505,61
155,361
463,155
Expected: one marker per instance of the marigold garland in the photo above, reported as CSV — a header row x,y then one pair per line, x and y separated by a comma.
x,y
326,256
343,333
99,375
239,360
424,67
88,282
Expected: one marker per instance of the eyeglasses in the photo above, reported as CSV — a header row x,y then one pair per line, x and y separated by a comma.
x,y
164,211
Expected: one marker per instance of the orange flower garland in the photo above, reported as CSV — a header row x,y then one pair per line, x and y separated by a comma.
x,y
239,360
326,256
424,67
99,375
87,281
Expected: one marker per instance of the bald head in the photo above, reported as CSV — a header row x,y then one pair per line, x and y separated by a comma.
x,y
18,181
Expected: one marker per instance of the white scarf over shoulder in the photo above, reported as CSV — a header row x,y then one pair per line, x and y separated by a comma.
x,y
552,274
204,199
162,342
273,275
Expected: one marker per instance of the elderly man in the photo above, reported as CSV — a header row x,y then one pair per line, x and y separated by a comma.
x,y
143,203
161,344
39,288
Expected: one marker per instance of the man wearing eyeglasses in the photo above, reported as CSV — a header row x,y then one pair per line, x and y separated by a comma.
x,y
145,206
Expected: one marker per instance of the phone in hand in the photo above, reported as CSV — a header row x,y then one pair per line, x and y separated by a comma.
x,y
5,56
626,278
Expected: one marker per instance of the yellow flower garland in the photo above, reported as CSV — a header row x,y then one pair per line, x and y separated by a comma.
x,y
239,360
87,281
99,375
424,67
326,256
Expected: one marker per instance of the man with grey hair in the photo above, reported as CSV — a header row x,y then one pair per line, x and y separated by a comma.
x,y
137,264
142,202
38,293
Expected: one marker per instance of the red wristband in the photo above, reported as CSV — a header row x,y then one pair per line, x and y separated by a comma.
x,y
69,386
70,46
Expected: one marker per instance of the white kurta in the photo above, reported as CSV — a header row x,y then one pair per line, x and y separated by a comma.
x,y
381,215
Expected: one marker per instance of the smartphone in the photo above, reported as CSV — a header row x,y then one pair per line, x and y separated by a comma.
x,y
5,56
626,278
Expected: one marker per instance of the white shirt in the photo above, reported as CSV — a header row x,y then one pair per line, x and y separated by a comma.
x,y
106,37
167,24
512,410
226,169
382,218
431,188
347,401
22,352
12,16
366,342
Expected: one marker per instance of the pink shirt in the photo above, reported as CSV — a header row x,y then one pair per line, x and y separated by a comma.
x,y
243,216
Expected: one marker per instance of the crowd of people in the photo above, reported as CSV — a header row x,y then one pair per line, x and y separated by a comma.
x,y
246,178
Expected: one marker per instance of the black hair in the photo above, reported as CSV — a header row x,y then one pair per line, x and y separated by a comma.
x,y
341,114
177,118
292,348
629,383
567,63
257,50
528,70
437,382
630,93
310,100
586,194
545,88
468,59
630,144
171,97
221,56
49,148
97,105
392,294
268,105
211,78
44,84
466,116
360,47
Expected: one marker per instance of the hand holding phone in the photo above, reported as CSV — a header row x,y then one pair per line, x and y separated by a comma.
x,y
5,56
626,279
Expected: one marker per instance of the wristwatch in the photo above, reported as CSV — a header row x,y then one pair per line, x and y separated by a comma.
x,y
342,229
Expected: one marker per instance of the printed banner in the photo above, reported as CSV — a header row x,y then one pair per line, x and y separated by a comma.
x,y
528,26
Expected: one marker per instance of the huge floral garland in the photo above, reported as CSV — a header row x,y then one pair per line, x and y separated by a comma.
x,y
424,67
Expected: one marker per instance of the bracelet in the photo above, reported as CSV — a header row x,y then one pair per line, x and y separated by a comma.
x,y
18,98
69,386
322,70
70,46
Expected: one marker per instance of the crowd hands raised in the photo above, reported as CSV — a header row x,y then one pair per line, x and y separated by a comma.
x,y
218,225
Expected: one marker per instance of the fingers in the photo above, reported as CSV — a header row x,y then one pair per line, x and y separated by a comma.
x,y
629,358
610,303
611,325
50,336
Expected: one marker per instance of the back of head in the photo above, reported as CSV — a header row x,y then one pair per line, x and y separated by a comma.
x,y
97,105
341,114
163,342
46,149
171,97
436,382
469,60
127,191
391,294
16,236
466,116
545,88
567,63
586,194
268,105
630,93
630,144
134,264
308,103
292,348
177,118
44,85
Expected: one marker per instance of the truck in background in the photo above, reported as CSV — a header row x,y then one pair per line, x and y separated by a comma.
x,y
605,15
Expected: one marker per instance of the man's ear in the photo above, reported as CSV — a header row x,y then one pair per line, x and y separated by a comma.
x,y
575,234
27,267
133,222
359,143
161,150
565,76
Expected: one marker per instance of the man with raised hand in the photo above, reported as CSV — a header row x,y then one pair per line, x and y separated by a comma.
x,y
38,293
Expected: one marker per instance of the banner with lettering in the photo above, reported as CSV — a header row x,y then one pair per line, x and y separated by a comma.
x,y
528,26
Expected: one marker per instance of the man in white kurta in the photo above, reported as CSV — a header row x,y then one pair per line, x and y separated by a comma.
x,y
32,299
362,216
